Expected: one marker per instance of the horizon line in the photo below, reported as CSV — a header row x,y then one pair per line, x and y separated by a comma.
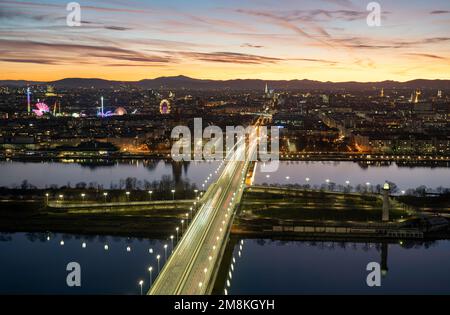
x,y
218,80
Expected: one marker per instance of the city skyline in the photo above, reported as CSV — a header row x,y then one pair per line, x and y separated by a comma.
x,y
211,150
328,40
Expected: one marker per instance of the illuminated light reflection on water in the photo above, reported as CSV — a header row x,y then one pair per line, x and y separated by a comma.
x,y
35,263
296,172
13,173
300,267
293,172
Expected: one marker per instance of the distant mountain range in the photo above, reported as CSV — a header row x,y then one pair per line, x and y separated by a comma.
x,y
183,82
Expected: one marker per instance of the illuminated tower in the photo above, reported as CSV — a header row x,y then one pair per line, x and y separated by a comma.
x,y
266,91
54,108
417,95
102,108
439,94
382,92
29,100
386,189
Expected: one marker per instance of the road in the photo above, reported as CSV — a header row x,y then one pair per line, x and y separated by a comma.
x,y
192,267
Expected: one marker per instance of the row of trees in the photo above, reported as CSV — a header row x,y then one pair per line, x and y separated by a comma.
x,y
423,191
129,183
420,191
137,191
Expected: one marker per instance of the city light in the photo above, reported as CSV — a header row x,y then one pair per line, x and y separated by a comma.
x,y
318,132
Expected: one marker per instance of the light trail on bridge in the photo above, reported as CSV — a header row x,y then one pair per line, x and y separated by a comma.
x,y
193,266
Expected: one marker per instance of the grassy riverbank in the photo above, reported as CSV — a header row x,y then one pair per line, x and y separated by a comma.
x,y
317,205
32,217
259,210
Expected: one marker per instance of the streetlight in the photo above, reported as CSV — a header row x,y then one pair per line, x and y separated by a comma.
x,y
307,179
196,192
173,194
150,269
171,240
141,283
182,226
177,233
82,197
128,195
165,252
61,197
158,258
46,196
150,192
105,194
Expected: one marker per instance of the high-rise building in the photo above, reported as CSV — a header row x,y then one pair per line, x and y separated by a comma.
x,y
50,91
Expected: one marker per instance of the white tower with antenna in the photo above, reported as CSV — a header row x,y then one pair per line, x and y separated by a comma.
x,y
29,100
102,111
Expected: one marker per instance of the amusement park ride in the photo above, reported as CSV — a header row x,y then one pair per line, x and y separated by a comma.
x,y
51,97
41,107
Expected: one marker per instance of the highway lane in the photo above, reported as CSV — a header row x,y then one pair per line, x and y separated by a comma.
x,y
209,253
184,272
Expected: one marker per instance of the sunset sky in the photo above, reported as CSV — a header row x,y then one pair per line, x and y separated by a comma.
x,y
326,40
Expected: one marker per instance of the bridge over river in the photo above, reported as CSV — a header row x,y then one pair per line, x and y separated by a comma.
x,y
194,264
